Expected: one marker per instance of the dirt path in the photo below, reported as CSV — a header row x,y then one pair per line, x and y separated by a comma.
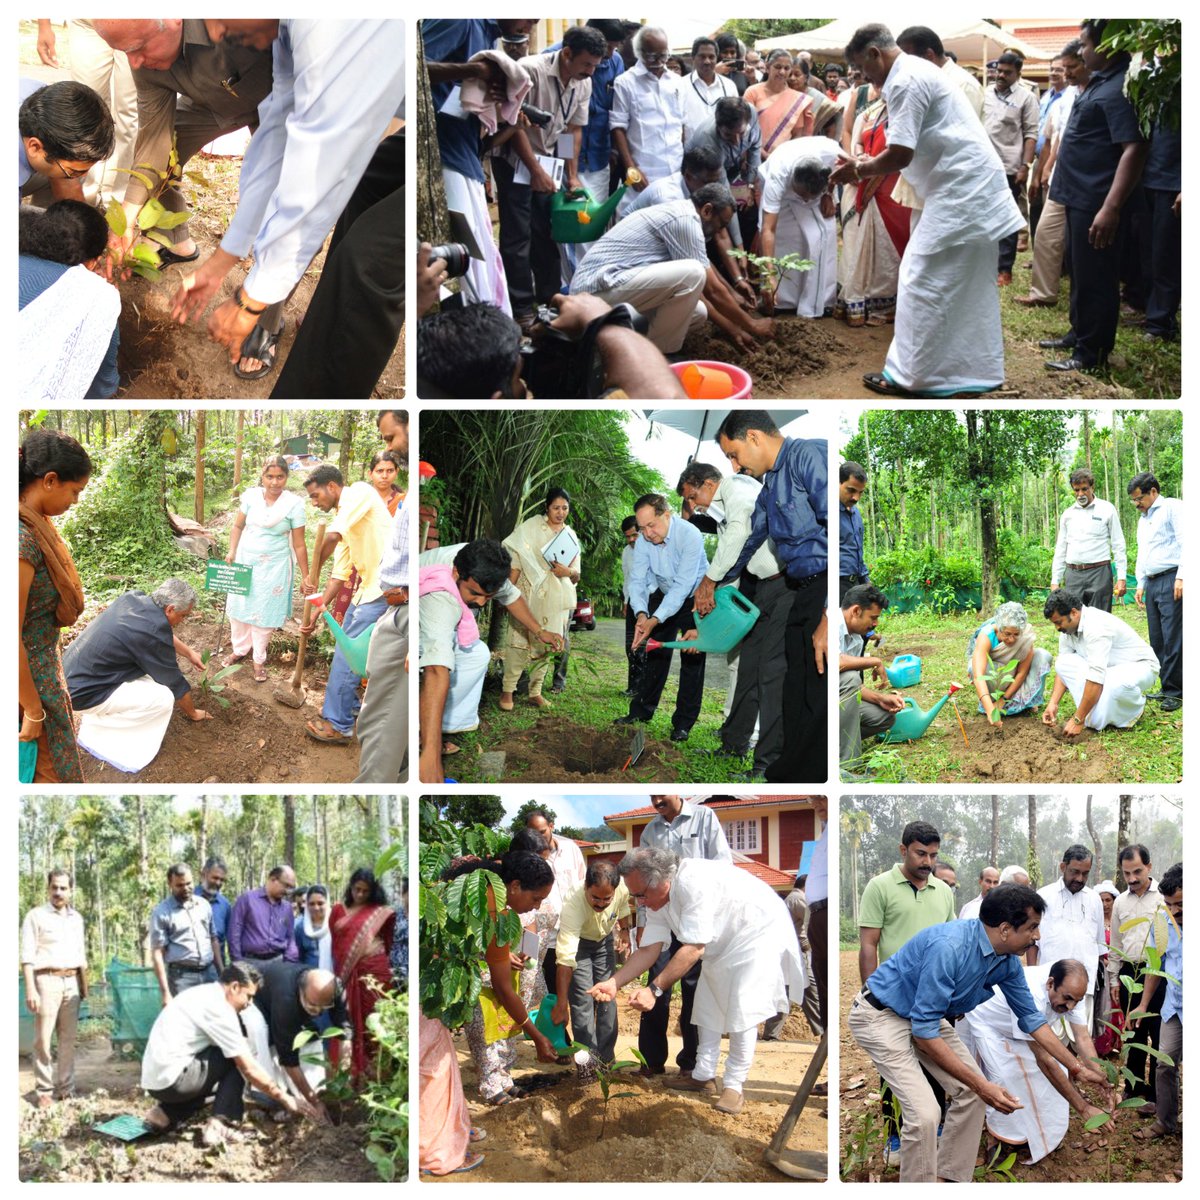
x,y
59,1144
1124,1159
655,1135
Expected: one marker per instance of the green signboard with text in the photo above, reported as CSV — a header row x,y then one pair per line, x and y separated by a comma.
x,y
233,578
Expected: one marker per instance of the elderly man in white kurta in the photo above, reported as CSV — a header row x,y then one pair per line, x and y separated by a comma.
x,y
737,925
1105,666
1011,1058
948,338
1073,923
798,218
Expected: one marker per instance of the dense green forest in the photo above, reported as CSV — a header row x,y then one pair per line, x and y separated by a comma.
x,y
119,848
965,498
495,467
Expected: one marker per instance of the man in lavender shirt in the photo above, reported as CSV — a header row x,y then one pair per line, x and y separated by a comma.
x,y
261,927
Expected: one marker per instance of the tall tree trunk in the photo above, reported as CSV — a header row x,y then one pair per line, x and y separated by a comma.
x,y
432,216
143,877
100,917
317,841
200,425
347,444
979,470
202,841
1087,440
237,451
1034,865
995,852
289,830
1097,845
1124,821
870,530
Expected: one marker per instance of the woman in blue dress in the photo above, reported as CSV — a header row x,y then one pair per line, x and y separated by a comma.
x,y
1007,638
266,532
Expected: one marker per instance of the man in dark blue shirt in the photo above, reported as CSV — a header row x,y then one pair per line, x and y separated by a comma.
x,y
904,1019
1161,249
793,511
1099,165
852,567
212,880
448,47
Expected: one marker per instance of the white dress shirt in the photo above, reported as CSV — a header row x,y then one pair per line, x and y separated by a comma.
x,y
1088,535
336,86
1072,927
626,570
970,910
651,111
701,98
1160,539
1104,641
733,510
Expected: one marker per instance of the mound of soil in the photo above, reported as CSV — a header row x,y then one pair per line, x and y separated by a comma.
x,y
59,1144
555,749
1024,750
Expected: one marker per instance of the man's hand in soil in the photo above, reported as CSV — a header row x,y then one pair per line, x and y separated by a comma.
x,y
1073,728
1050,716
642,1000
230,325
198,714
1090,1111
199,288
997,1097
605,990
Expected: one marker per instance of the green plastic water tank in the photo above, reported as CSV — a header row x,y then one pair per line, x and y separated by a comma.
x,y
134,1004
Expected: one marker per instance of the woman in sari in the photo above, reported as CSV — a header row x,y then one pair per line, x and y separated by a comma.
x,y
444,1126
363,926
875,229
549,590
1007,638
783,112
268,529
52,473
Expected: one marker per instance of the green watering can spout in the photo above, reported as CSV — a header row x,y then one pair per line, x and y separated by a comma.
x,y
912,721
576,217
354,648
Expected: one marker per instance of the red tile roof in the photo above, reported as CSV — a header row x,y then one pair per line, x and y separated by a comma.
x,y
1050,39
769,875
744,802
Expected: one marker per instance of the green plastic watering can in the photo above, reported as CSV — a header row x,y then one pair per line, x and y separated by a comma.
x,y
354,648
912,721
544,1025
576,217
723,628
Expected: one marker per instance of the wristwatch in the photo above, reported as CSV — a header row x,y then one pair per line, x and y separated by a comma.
x,y
655,990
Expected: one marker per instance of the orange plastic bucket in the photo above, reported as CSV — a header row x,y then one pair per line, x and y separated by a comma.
x,y
706,380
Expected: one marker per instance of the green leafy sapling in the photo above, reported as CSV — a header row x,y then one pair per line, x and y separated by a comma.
x,y
211,686
587,1066
998,680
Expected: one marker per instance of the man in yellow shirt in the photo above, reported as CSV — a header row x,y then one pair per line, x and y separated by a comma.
x,y
357,539
592,929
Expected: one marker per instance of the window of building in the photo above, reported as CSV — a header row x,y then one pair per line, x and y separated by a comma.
x,y
743,835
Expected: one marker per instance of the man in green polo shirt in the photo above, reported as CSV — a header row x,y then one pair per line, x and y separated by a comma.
x,y
904,900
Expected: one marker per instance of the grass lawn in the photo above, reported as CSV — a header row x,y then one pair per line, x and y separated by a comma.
x,y
539,742
1024,750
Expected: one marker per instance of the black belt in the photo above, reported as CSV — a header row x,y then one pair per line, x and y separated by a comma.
x,y
852,579
186,966
817,905
1160,574
798,584
874,1001
264,957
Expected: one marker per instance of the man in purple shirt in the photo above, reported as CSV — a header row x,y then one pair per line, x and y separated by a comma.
x,y
261,927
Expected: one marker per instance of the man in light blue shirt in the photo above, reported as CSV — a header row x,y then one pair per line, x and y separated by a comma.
x,y
904,1019
336,86
668,562
1166,1071
1159,582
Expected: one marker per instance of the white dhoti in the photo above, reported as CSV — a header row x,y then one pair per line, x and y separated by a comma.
x,y
668,294
127,730
485,281
1124,695
312,1055
461,713
948,337
803,230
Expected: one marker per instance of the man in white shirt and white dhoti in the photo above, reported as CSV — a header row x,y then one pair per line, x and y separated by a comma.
x,y
948,337
1105,666
734,923
1009,1057
1073,923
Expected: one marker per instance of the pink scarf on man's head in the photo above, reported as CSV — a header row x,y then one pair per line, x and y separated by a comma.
x,y
441,579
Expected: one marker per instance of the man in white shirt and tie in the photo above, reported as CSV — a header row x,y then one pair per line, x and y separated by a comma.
x,y
1090,541
1159,583
1105,666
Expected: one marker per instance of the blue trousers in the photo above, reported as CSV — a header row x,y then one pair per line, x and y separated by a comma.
x,y
1164,620
341,692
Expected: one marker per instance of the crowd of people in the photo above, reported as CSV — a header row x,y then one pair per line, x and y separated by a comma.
x,y
947,1004
1106,666
114,691
324,99
239,981
770,519
932,178
677,910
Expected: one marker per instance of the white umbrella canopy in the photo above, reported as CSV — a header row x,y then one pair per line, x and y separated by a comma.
x,y
972,40
703,423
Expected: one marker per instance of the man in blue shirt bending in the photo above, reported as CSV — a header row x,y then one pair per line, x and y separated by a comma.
x,y
904,1019
668,563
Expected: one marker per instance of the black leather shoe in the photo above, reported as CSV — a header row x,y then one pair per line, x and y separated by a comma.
x,y
1155,695
681,735
1059,343
1069,364
1167,704
628,719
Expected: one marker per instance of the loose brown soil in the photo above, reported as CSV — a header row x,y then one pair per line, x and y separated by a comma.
x,y
59,1144
654,1135
1124,1160
556,749
254,740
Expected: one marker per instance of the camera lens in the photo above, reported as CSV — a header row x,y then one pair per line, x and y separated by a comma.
x,y
457,256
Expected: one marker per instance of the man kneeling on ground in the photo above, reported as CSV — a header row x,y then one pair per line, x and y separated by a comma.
x,y
862,712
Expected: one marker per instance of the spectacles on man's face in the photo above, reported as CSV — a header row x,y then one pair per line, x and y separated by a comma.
x,y
67,172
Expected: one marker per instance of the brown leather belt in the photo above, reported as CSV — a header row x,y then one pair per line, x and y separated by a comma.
x,y
396,596
1088,566
64,971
